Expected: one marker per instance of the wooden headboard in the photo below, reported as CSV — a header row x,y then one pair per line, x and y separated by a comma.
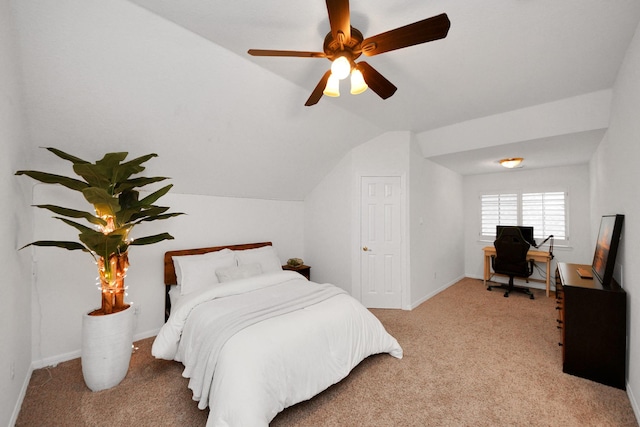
x,y
170,271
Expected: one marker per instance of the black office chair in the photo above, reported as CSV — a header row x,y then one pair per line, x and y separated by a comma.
x,y
511,259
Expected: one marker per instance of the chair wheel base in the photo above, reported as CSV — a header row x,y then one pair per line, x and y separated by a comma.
x,y
511,288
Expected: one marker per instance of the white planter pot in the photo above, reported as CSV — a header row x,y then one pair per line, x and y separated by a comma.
x,y
106,348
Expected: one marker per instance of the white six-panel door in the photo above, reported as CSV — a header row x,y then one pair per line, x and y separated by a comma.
x,y
381,242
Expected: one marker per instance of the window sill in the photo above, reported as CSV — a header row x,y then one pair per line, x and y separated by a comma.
x,y
562,246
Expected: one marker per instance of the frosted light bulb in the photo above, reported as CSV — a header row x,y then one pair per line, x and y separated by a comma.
x,y
340,67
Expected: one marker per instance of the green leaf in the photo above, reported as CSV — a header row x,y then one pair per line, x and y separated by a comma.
x,y
122,186
71,246
159,217
103,202
65,156
128,199
49,178
136,214
102,174
104,244
79,227
110,165
151,239
96,176
72,213
125,170
151,198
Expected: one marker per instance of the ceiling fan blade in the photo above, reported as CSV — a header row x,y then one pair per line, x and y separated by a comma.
x,y
427,30
317,92
339,18
296,53
376,81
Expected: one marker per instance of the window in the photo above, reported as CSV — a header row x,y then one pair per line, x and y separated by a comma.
x,y
546,212
498,209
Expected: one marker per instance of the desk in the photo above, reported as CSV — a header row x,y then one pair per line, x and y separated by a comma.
x,y
537,256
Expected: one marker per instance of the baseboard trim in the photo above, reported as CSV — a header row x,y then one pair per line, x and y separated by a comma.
x,y
54,360
517,282
634,402
436,292
21,396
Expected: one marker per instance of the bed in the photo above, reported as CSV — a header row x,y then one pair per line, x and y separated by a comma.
x,y
255,339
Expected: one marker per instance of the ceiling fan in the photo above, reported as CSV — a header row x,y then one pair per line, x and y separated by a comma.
x,y
344,44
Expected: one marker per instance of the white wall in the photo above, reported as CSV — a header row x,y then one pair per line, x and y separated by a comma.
x,y
15,348
578,114
572,179
328,225
432,213
332,209
615,176
385,155
65,286
437,238
112,76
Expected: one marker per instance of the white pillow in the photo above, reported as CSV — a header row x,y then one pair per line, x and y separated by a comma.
x,y
227,274
266,256
194,272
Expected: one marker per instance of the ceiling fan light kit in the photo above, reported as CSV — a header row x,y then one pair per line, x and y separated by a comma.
x,y
358,85
340,67
333,86
344,44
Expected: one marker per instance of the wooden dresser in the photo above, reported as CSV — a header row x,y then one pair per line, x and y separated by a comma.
x,y
592,320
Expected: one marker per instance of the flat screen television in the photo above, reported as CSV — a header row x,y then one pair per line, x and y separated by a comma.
x,y
527,232
604,258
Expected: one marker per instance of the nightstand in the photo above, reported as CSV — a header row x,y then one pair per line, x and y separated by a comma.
x,y
305,270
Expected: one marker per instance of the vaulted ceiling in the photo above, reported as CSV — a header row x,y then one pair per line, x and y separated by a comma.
x,y
499,56
175,78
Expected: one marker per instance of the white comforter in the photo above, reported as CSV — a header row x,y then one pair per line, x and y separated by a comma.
x,y
255,346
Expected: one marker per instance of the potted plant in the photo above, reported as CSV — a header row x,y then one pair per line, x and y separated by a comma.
x,y
109,187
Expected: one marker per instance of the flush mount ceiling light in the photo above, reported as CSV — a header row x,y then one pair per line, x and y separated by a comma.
x,y
512,162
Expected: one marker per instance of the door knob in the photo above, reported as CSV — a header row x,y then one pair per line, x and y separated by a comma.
x,y
366,249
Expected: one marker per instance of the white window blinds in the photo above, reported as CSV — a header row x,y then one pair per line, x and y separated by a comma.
x,y
498,209
545,211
